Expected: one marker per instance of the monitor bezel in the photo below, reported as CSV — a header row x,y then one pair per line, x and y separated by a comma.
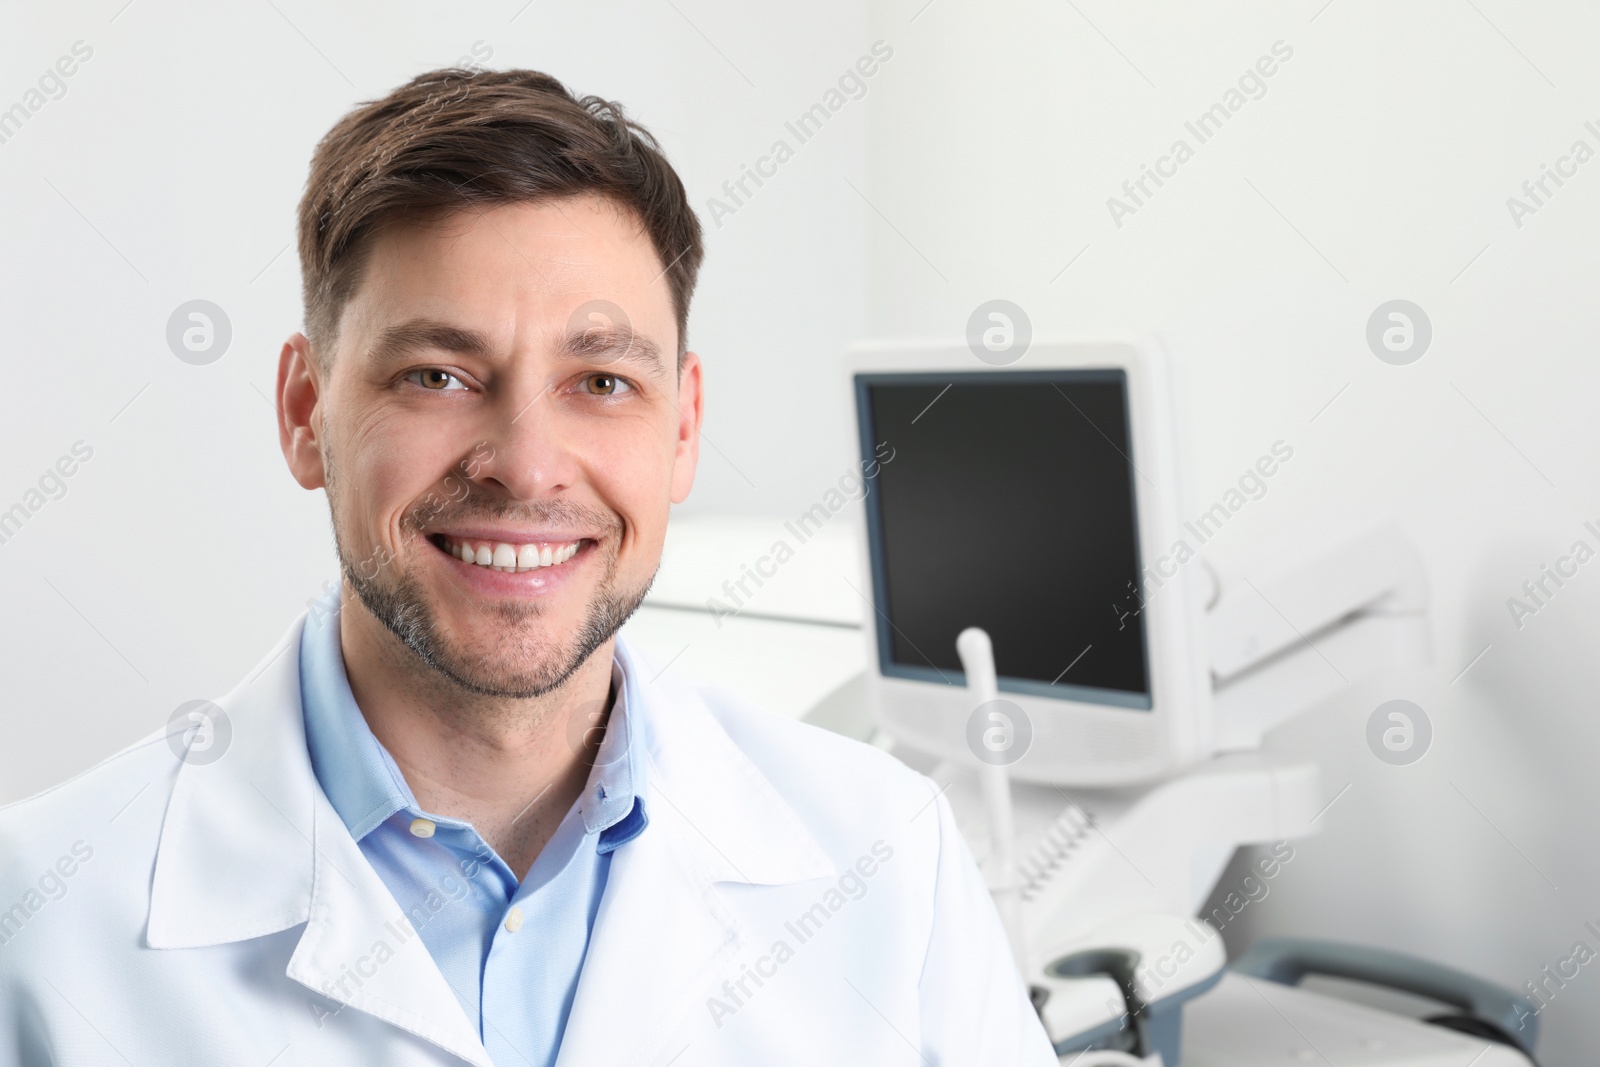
x,y
863,383
1077,742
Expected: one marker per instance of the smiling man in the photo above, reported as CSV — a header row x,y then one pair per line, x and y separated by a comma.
x,y
452,818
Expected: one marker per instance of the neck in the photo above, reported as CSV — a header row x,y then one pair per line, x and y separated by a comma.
x,y
512,767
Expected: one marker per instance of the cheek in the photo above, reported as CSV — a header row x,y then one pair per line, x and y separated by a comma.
x,y
630,468
387,466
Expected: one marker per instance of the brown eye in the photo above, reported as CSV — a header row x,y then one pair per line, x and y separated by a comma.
x,y
437,380
606,385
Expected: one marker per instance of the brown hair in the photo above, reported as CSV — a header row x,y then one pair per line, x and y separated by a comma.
x,y
453,138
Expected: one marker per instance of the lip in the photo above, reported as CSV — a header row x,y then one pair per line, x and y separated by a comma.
x,y
489,583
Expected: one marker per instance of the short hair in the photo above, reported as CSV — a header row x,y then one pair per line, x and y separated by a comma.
x,y
454,138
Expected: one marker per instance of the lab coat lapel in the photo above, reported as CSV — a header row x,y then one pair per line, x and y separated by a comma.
x,y
234,860
360,950
659,935
250,846
663,934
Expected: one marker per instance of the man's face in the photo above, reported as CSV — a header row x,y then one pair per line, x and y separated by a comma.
x,y
501,432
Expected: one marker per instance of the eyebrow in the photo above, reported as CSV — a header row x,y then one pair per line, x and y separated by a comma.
x,y
598,344
614,344
401,340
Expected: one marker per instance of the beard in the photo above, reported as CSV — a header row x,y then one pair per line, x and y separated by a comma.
x,y
525,664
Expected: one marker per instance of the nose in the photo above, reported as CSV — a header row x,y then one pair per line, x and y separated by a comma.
x,y
530,449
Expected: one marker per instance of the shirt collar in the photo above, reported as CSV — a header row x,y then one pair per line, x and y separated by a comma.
x,y
365,786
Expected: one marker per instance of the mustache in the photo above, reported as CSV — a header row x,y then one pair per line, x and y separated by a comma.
x,y
418,520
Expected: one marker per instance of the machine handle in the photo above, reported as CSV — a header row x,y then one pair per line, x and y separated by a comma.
x,y
977,660
1286,960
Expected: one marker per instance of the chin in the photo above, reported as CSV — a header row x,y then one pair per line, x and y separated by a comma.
x,y
500,647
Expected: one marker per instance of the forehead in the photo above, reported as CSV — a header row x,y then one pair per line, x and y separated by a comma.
x,y
506,268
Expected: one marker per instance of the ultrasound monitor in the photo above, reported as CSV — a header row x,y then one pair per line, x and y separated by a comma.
x,y
1030,501
1009,505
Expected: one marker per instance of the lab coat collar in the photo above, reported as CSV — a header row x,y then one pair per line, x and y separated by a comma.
x,y
366,787
250,846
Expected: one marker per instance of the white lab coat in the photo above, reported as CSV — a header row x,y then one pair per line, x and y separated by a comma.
x,y
158,911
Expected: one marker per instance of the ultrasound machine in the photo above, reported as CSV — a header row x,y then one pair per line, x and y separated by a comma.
x,y
1046,642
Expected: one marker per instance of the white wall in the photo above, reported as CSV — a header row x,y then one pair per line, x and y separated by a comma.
x,y
170,170
1376,166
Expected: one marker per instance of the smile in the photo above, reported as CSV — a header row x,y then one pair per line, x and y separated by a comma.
x,y
510,558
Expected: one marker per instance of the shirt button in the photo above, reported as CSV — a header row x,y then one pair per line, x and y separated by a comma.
x,y
421,827
513,920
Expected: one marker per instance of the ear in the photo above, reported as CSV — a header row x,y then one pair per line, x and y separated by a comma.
x,y
299,406
691,398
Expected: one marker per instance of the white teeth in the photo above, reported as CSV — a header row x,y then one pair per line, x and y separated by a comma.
x,y
509,558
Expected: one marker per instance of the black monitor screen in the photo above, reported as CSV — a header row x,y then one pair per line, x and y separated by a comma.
x,y
1005,500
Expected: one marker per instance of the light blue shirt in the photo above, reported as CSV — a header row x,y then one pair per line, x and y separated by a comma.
x,y
515,981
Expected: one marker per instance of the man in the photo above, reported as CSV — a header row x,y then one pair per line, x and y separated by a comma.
x,y
451,818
